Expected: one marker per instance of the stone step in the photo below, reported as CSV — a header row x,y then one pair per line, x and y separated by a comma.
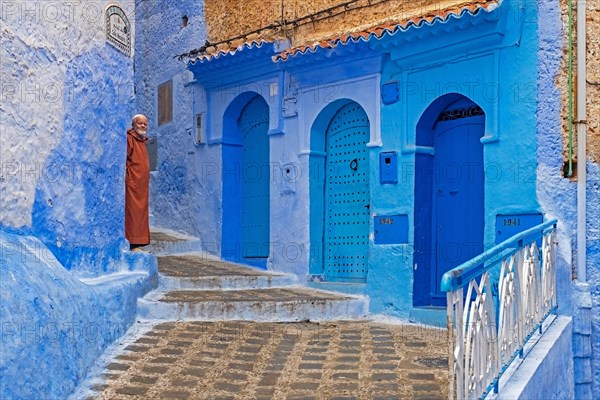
x,y
197,271
165,241
265,305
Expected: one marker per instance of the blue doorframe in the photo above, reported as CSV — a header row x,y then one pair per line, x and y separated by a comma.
x,y
245,174
449,193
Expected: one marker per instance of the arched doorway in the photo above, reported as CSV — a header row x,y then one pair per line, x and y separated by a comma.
x,y
449,193
346,195
246,179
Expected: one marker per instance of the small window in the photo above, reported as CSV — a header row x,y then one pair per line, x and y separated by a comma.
x,y
165,103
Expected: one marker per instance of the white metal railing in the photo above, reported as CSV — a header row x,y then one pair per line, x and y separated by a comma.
x,y
488,330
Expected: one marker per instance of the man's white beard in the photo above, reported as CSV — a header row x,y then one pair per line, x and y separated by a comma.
x,y
141,132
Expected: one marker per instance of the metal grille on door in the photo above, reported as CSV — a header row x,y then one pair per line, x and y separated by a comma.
x,y
347,208
254,124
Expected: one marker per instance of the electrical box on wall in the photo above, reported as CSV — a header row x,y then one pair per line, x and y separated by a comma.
x,y
152,149
390,92
391,229
509,225
198,128
388,167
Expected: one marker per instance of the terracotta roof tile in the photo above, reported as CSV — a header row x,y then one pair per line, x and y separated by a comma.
x,y
231,49
388,27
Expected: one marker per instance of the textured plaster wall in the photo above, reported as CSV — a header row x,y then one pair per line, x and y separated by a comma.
x,y
593,77
66,101
593,156
593,270
558,195
547,370
226,19
54,325
180,197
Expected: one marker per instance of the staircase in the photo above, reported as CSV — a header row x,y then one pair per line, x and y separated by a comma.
x,y
196,286
226,349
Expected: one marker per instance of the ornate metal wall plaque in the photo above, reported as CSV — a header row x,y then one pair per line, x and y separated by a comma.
x,y
118,29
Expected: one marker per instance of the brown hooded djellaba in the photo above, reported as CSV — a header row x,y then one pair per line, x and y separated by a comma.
x,y
137,178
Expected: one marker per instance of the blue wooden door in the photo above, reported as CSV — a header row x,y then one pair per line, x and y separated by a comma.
x,y
347,196
458,196
254,124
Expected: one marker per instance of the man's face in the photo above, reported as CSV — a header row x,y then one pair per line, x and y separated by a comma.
x,y
140,125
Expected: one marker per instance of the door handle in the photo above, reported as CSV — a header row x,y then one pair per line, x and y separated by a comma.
x,y
454,191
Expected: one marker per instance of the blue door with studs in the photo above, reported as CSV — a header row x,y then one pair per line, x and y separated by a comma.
x,y
347,196
254,124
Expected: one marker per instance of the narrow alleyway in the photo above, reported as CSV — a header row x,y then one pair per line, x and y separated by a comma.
x,y
349,358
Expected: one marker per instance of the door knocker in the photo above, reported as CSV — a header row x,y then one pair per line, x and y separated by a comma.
x,y
354,165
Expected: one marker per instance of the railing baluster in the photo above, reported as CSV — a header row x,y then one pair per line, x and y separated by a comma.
x,y
450,310
521,299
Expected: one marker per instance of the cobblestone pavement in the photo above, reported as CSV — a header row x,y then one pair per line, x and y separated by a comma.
x,y
248,360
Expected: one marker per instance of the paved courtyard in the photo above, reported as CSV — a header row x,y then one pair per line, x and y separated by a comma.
x,y
248,360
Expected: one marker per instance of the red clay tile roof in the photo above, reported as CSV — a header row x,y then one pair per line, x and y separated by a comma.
x,y
220,51
392,27
389,27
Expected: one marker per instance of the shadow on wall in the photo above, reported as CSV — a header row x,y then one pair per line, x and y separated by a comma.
x,y
78,210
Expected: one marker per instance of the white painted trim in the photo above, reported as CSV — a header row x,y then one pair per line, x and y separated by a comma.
x,y
345,89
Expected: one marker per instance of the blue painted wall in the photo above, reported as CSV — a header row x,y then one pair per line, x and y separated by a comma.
x,y
222,91
66,106
593,266
476,59
67,101
180,196
559,198
79,215
474,62
547,370
507,66
55,325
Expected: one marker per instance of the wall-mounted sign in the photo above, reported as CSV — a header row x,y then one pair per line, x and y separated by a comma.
x,y
118,29
509,225
391,229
